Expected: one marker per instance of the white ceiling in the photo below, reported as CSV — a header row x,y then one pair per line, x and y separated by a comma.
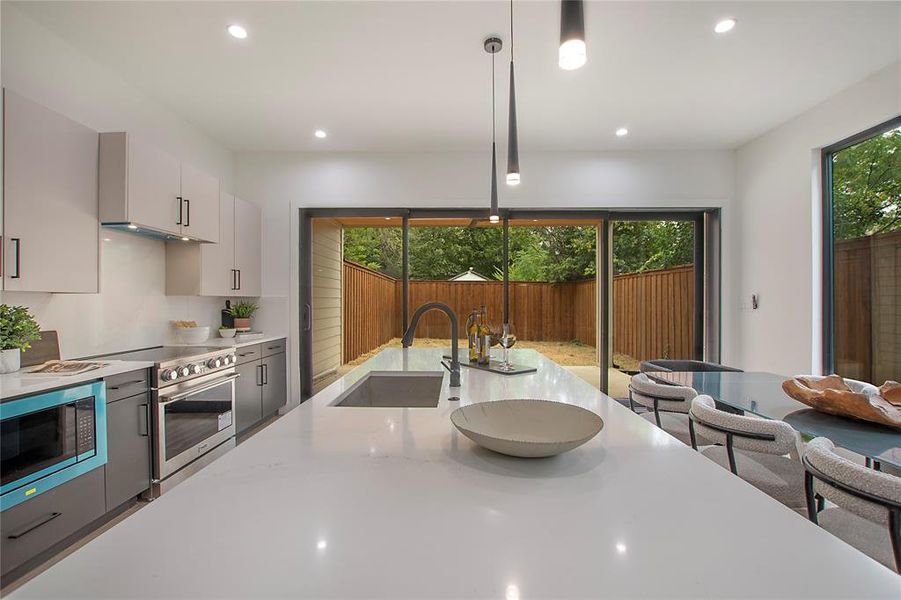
x,y
411,76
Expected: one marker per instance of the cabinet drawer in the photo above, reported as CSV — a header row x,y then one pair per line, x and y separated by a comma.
x,y
249,353
35,525
274,347
128,384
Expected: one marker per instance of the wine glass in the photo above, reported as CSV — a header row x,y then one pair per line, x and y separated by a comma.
x,y
507,340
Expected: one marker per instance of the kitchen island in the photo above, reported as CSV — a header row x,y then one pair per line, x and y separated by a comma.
x,y
373,502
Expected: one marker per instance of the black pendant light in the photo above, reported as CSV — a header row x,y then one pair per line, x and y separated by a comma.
x,y
493,45
572,35
512,137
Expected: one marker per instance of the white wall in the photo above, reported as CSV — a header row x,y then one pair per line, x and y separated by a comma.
x,y
778,193
131,311
284,182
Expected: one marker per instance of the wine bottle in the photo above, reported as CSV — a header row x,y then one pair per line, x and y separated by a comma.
x,y
472,335
484,338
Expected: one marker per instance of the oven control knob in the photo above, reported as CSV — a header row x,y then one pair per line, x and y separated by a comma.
x,y
184,371
194,369
214,363
232,358
170,374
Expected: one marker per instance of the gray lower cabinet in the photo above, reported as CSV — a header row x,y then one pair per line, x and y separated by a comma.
x,y
128,466
36,525
275,384
248,399
262,387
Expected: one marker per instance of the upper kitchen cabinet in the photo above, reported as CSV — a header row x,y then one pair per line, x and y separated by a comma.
x,y
51,227
231,267
145,189
200,196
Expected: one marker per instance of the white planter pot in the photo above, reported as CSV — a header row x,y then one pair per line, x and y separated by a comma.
x,y
10,360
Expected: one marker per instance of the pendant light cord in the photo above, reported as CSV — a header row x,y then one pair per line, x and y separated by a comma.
x,y
511,30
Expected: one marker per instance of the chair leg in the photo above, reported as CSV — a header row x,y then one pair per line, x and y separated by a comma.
x,y
631,403
894,524
811,497
691,434
730,452
657,414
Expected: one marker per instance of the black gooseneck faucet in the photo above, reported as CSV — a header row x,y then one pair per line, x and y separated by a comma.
x,y
455,351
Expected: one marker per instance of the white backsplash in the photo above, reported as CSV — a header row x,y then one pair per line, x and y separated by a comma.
x,y
132,309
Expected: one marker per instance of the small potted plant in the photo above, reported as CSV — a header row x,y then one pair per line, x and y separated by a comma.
x,y
17,330
227,332
242,313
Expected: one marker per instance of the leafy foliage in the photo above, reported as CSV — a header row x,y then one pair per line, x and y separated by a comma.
x,y
866,187
243,310
561,253
646,245
17,328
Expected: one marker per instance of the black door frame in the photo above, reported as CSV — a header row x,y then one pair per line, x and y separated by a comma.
x,y
703,260
828,237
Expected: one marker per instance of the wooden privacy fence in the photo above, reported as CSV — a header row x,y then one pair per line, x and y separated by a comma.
x,y
652,313
867,314
652,310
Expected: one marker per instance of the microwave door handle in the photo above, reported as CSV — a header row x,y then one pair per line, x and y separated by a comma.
x,y
164,400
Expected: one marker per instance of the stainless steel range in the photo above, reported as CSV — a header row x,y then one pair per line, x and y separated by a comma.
x,y
193,408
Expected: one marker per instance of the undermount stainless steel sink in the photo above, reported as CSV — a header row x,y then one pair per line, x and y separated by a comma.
x,y
394,389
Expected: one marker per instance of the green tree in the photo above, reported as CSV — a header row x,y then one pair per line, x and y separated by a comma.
x,y
378,248
646,245
866,187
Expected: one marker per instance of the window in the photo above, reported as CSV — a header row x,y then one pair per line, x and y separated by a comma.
x,y
862,255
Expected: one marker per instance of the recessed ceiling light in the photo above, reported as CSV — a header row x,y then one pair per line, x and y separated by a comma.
x,y
321,134
237,31
186,239
724,25
622,131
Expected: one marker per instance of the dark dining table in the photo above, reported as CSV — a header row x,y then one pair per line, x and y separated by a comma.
x,y
761,394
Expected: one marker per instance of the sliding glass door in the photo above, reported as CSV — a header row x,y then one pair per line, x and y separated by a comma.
x,y
862,255
559,278
653,295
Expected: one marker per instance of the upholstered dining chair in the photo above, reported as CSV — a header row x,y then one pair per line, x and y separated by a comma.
x,y
664,364
667,405
763,452
868,511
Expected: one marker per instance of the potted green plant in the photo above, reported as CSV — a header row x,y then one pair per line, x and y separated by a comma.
x,y
17,330
242,313
226,332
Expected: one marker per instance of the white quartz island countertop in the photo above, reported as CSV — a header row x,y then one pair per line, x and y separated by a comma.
x,y
394,503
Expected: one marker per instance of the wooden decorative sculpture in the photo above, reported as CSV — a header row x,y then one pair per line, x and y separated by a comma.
x,y
833,395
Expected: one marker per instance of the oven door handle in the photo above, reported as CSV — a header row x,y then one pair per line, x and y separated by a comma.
x,y
197,390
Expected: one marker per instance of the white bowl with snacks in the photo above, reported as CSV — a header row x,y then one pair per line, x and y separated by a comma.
x,y
187,332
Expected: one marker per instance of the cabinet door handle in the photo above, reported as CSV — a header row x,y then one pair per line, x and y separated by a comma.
x,y
144,420
126,384
188,213
16,535
239,278
233,279
181,204
259,370
265,374
18,244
